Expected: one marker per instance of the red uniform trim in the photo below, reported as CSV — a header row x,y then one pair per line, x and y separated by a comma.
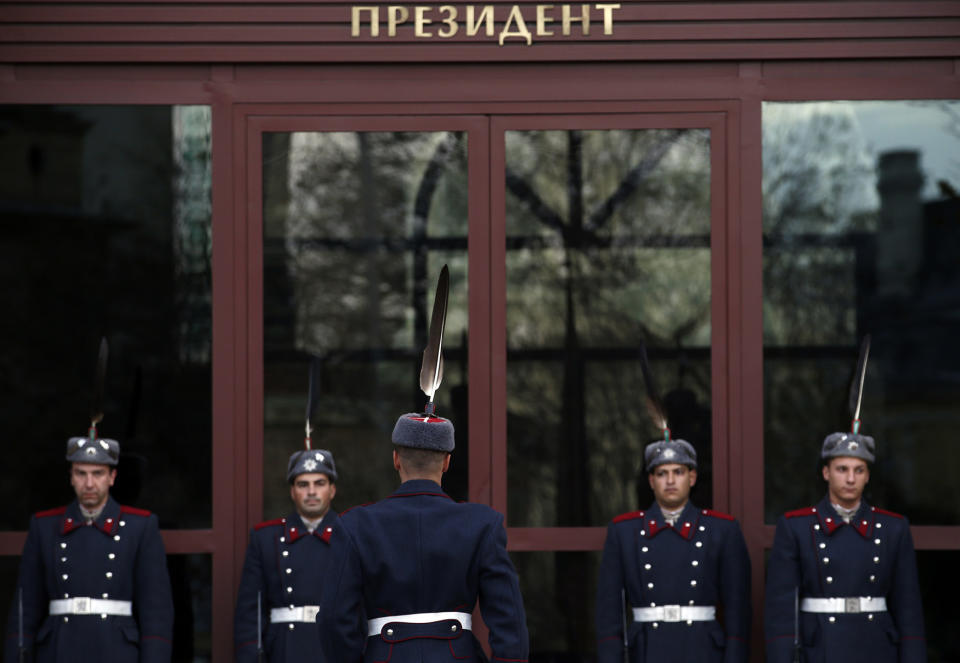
x,y
806,511
327,533
390,497
887,513
269,523
355,506
135,511
630,515
718,514
59,511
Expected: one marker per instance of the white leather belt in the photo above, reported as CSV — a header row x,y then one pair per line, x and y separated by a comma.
x,y
84,605
848,604
298,613
675,613
374,626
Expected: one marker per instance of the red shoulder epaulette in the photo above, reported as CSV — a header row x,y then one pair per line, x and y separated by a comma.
x,y
630,515
270,523
135,511
718,514
885,512
805,511
59,511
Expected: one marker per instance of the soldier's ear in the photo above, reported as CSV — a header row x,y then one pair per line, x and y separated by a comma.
x,y
693,478
446,464
825,471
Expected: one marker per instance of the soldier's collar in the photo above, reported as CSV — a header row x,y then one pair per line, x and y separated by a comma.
x,y
830,521
419,487
654,522
295,529
107,522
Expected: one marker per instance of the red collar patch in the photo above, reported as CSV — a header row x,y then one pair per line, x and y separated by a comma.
x,y
831,524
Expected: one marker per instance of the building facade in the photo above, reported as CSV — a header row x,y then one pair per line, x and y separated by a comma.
x,y
229,191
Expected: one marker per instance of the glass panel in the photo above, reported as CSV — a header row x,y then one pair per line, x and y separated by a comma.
x,y
861,236
356,229
106,231
941,615
608,244
190,580
559,594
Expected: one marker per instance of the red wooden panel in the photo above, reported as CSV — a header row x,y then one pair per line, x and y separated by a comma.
x,y
526,539
241,31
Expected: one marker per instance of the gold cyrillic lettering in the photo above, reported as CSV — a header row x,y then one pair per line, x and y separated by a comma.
x,y
521,30
450,21
396,14
486,16
355,20
584,19
543,19
419,21
607,17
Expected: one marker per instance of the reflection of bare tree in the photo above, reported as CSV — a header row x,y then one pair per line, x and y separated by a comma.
x,y
578,232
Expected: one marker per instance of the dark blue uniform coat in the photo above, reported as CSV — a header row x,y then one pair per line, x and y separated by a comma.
x,y
872,556
121,557
702,561
419,551
286,564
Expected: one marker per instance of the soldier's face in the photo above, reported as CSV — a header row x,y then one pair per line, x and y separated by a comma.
x,y
846,478
671,484
91,483
311,494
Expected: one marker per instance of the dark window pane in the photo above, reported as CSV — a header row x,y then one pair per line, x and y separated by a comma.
x,y
860,236
559,593
608,244
940,612
190,580
356,229
106,232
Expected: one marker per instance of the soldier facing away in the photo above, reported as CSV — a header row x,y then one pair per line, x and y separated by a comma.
x,y
842,577
409,569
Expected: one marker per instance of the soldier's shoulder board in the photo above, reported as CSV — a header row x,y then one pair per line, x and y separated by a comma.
x,y
718,514
877,509
270,523
59,511
805,511
630,515
134,511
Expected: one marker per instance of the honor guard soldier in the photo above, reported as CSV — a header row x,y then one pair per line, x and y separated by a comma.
x,y
842,577
279,595
668,571
411,567
93,582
